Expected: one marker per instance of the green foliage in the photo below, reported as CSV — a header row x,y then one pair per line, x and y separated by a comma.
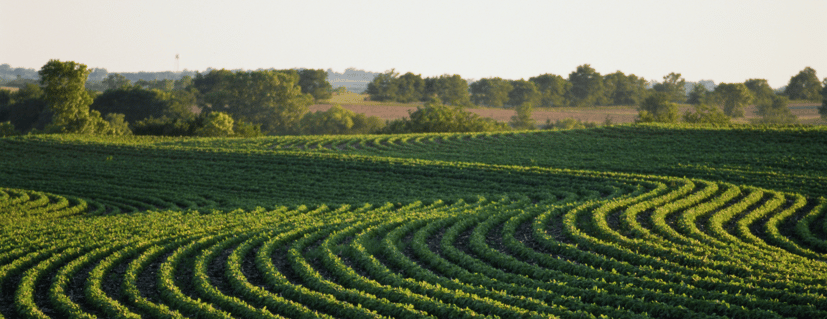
x,y
553,89
733,97
338,120
7,129
570,123
271,99
624,90
586,87
384,86
761,91
64,89
775,111
450,89
706,114
166,126
522,119
117,125
115,81
26,108
437,117
673,86
823,109
314,82
137,103
523,93
243,129
410,88
492,92
161,85
216,124
804,86
658,107
698,94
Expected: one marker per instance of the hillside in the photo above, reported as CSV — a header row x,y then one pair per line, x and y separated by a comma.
x,y
619,221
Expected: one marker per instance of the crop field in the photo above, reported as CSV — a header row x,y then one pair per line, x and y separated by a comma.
x,y
629,221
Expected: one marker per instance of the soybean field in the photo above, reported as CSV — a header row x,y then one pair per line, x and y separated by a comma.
x,y
629,221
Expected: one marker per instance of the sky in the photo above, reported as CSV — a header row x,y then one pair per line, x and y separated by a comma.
x,y
723,41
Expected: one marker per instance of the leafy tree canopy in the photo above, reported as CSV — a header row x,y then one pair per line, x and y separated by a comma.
x,y
673,85
314,82
733,97
553,89
492,92
658,107
804,86
64,90
586,87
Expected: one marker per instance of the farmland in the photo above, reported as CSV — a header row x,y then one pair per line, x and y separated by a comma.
x,y
629,221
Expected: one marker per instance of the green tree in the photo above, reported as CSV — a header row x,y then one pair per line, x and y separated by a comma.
x,y
523,92
586,87
314,82
553,89
658,107
384,86
183,83
115,81
338,120
776,111
216,124
64,90
437,117
804,86
706,114
491,92
673,85
137,103
26,109
761,91
522,120
624,90
117,125
698,94
450,89
268,98
734,98
7,129
823,109
409,88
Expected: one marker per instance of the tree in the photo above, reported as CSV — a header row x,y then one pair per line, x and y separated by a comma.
x,y
761,91
117,125
523,92
450,89
624,90
383,87
63,88
823,109
804,86
553,89
586,87
115,81
137,103
491,92
409,87
26,109
733,97
216,124
7,129
268,98
338,120
314,82
437,117
658,108
706,114
698,94
673,85
522,120
775,111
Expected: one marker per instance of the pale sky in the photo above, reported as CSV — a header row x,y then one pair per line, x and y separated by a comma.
x,y
723,41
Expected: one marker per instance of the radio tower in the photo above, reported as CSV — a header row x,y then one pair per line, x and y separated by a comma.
x,y
176,63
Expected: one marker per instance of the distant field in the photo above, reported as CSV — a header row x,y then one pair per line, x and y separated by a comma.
x,y
8,88
807,112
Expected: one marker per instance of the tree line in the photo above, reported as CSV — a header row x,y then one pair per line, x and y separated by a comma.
x,y
276,102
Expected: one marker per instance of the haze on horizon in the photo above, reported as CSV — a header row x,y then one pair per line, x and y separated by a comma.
x,y
723,41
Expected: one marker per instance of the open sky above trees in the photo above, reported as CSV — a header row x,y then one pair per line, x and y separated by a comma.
x,y
724,41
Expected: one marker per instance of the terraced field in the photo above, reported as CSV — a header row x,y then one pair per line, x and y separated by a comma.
x,y
619,222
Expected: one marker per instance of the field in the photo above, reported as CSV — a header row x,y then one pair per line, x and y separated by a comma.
x,y
629,221
807,112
